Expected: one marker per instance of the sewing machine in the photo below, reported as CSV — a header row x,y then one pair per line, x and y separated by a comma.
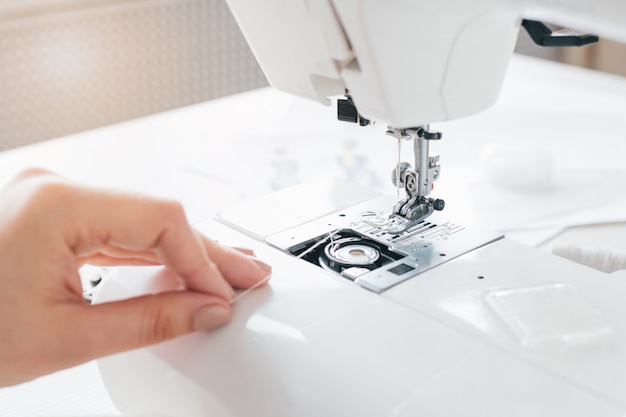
x,y
381,306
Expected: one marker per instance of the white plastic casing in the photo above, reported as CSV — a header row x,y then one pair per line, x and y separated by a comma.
x,y
535,336
406,63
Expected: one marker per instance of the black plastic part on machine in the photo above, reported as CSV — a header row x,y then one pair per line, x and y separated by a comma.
x,y
347,112
542,35
428,135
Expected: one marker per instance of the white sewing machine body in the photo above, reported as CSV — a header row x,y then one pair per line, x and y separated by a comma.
x,y
487,327
450,340
405,63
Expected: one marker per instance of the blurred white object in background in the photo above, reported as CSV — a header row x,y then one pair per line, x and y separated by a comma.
x,y
517,165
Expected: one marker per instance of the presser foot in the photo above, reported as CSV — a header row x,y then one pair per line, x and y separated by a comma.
x,y
417,183
393,223
413,208
406,213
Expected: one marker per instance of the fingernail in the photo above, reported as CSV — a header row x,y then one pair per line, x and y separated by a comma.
x,y
262,265
210,317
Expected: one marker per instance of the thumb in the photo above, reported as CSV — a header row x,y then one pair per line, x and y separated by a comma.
x,y
136,322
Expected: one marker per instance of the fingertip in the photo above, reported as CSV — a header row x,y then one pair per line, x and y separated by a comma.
x,y
266,269
211,316
265,272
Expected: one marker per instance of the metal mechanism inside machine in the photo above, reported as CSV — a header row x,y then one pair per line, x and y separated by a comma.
x,y
372,256
346,252
417,182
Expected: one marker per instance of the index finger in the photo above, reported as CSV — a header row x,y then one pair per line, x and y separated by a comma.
x,y
135,223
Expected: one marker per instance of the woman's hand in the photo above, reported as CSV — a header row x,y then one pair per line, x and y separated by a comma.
x,y
49,228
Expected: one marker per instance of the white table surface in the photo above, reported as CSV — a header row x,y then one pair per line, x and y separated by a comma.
x,y
216,154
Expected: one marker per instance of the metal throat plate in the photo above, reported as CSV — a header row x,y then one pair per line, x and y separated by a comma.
x,y
424,246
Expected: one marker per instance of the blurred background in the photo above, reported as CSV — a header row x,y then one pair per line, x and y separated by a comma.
x,y
73,65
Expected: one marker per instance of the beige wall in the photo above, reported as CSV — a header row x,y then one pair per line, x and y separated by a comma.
x,y
606,56
93,63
